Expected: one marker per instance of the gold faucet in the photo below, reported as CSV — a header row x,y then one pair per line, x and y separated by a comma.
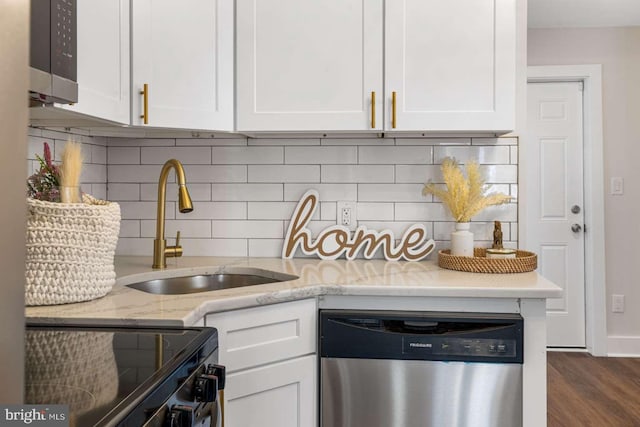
x,y
160,249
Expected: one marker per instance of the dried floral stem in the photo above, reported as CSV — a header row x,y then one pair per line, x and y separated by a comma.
x,y
464,197
71,164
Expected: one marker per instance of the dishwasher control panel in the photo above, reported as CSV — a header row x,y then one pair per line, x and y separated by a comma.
x,y
437,336
486,347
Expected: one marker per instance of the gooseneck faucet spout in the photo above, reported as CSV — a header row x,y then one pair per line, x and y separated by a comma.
x,y
160,249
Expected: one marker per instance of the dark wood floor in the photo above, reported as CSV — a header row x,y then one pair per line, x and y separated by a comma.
x,y
592,391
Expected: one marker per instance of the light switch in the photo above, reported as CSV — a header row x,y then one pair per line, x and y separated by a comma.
x,y
617,186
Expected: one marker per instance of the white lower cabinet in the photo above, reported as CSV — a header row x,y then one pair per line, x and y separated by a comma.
x,y
270,356
280,394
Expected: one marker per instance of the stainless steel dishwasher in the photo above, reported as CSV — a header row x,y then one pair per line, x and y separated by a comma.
x,y
410,369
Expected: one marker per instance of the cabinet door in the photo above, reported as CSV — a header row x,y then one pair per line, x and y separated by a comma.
x,y
451,64
103,60
277,395
308,65
183,51
260,335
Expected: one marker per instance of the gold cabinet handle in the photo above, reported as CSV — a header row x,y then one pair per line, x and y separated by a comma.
x,y
393,110
145,102
373,109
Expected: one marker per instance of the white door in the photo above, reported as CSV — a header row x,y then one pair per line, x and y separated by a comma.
x,y
309,65
553,149
184,53
451,64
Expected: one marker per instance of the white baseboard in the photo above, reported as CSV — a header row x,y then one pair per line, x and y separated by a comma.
x,y
623,346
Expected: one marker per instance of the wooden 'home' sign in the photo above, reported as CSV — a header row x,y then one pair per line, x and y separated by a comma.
x,y
335,241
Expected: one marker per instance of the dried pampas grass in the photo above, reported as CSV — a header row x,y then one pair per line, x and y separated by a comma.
x,y
71,167
464,196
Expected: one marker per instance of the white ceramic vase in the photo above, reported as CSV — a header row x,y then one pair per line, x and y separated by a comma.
x,y
462,240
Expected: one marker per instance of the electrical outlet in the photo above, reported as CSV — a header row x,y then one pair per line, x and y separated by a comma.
x,y
347,215
617,303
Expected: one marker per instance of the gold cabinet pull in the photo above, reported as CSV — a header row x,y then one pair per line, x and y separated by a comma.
x,y
145,102
373,109
393,110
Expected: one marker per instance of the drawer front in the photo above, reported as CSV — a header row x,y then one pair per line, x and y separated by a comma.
x,y
261,335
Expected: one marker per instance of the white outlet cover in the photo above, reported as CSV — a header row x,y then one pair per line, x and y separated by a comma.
x,y
353,207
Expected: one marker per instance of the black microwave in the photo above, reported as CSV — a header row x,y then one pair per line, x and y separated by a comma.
x,y
53,55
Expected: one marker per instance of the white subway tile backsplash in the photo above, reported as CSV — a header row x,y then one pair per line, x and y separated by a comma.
x,y
93,173
198,192
135,174
275,210
327,192
481,154
98,154
390,192
218,210
320,155
247,155
421,212
214,247
246,192
187,228
144,210
283,173
123,155
129,228
36,146
357,173
271,248
505,213
375,211
248,229
122,192
498,174
99,191
328,211
209,174
418,173
186,155
406,155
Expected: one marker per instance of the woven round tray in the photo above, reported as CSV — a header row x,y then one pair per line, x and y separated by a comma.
x,y
523,262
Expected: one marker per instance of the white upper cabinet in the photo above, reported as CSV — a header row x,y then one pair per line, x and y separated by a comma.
x,y
309,65
451,65
183,52
103,60
312,65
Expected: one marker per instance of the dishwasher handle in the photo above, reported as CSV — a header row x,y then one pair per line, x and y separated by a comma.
x,y
419,326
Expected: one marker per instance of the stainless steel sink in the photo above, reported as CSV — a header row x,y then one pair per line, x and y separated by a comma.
x,y
230,278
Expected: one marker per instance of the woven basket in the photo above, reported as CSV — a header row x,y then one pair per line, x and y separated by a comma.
x,y
523,262
70,250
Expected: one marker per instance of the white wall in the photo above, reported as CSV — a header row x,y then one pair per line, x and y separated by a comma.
x,y
245,189
14,21
618,50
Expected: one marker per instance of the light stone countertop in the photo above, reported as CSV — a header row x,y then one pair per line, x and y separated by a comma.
x,y
126,306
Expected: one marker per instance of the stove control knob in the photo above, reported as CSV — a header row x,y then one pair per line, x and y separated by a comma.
x,y
205,388
180,416
220,372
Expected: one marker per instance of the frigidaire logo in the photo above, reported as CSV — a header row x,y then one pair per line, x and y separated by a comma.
x,y
40,415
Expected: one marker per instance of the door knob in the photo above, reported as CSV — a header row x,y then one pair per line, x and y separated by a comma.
x,y
576,228
575,209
